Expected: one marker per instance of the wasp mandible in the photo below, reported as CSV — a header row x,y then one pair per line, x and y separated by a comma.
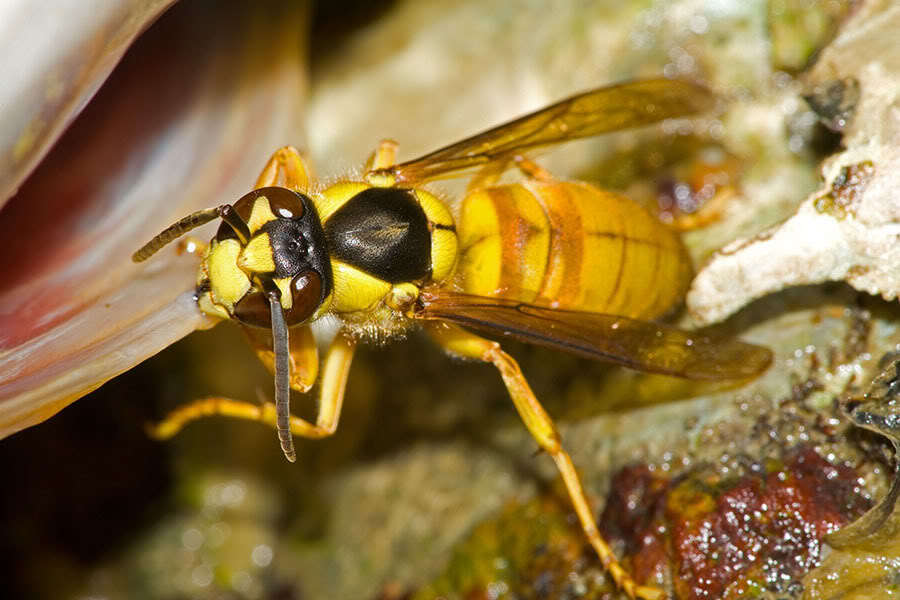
x,y
561,264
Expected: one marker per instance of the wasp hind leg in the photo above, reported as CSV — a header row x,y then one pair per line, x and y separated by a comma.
x,y
331,398
463,343
532,170
490,174
286,168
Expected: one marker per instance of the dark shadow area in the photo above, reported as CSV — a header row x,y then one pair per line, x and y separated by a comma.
x,y
334,22
81,485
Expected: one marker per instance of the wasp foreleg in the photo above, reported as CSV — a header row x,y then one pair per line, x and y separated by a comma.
x,y
285,168
304,354
334,382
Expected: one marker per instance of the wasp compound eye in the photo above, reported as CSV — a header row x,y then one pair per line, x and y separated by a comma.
x,y
306,297
253,309
284,203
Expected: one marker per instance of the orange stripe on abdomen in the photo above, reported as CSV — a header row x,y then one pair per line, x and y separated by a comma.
x,y
498,227
571,246
561,285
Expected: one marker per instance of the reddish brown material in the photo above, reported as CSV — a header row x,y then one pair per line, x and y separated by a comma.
x,y
723,538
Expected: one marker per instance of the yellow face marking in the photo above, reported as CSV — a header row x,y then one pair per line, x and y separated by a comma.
x,y
211,308
256,257
284,284
355,290
227,282
260,215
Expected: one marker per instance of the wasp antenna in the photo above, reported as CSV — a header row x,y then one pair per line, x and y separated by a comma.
x,y
234,220
280,345
175,231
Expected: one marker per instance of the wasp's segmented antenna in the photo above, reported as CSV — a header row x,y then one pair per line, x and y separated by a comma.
x,y
234,220
175,231
225,212
281,347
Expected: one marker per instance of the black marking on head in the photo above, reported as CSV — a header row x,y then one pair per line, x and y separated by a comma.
x,y
290,249
384,232
298,247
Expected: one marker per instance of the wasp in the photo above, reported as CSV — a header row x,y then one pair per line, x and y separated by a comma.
x,y
561,264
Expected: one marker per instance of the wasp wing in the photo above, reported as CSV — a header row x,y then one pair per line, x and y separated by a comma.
x,y
640,345
630,104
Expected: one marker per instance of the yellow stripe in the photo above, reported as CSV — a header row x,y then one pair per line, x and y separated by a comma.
x,y
435,210
605,275
479,243
355,290
260,214
444,249
572,246
335,196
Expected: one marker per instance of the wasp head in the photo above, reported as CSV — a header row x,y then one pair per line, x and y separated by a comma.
x,y
270,238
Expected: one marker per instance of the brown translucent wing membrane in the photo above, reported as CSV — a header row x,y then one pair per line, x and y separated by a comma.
x,y
603,110
640,345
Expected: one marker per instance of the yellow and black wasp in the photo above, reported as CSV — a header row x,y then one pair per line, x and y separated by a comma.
x,y
557,263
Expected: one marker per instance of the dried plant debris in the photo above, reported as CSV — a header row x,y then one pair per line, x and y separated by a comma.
x,y
849,229
729,537
866,559
749,512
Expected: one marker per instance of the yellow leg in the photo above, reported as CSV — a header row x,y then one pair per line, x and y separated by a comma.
x,y
304,354
487,175
285,168
384,156
465,344
490,174
532,170
334,382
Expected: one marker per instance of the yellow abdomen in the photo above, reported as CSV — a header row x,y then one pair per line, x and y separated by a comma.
x,y
571,246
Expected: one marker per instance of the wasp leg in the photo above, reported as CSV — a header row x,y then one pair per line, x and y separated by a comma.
x,y
285,168
334,382
490,174
384,156
487,175
463,343
532,170
304,355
